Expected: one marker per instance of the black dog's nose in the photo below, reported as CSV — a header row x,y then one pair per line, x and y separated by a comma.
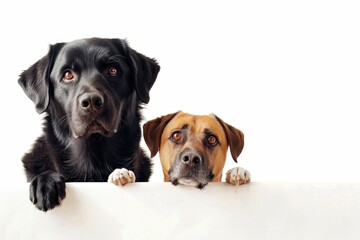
x,y
91,101
191,158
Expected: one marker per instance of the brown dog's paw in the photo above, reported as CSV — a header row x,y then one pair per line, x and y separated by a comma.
x,y
238,176
122,176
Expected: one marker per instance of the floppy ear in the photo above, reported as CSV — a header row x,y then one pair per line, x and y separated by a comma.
x,y
35,80
152,131
234,137
145,70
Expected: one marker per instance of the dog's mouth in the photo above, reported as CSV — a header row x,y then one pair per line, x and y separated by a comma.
x,y
94,127
190,182
97,127
199,183
199,180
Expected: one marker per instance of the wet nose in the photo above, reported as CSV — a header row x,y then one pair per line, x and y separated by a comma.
x,y
93,101
191,158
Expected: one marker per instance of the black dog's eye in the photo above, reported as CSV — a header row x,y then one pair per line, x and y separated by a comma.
x,y
212,140
113,71
176,136
68,75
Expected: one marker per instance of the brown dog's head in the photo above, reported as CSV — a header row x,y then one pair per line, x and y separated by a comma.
x,y
192,148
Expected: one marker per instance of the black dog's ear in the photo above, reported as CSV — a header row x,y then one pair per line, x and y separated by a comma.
x,y
145,71
35,80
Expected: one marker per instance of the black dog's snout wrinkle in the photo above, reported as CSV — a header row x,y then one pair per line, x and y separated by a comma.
x,y
92,101
191,157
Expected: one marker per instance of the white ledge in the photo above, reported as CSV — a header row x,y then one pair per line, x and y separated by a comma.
x,y
259,210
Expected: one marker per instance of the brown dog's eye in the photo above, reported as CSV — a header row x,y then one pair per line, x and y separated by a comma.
x,y
176,136
112,71
68,75
212,140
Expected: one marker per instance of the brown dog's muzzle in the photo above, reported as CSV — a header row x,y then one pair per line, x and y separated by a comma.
x,y
191,168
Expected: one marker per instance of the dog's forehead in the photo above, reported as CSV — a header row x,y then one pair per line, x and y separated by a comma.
x,y
86,49
197,124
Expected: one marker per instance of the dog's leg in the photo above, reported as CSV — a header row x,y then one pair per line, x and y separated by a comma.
x,y
121,177
238,176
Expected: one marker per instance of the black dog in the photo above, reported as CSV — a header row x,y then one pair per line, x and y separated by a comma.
x,y
92,91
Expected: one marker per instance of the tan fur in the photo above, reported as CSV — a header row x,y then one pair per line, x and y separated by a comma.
x,y
158,131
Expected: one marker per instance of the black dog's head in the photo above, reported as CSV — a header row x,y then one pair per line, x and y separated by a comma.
x,y
85,84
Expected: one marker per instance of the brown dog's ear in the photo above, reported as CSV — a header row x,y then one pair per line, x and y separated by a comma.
x,y
234,137
145,70
152,131
35,80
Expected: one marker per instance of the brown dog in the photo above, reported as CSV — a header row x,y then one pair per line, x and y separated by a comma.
x,y
193,148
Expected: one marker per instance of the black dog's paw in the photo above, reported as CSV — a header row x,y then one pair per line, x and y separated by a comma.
x,y
47,190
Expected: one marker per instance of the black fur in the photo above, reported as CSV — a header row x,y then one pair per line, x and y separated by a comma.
x,y
85,140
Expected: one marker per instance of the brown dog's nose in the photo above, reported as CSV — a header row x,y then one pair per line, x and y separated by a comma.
x,y
91,101
191,158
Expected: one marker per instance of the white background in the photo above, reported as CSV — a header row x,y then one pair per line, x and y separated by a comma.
x,y
284,72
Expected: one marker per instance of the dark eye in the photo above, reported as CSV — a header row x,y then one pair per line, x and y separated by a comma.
x,y
176,136
212,140
112,71
68,75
